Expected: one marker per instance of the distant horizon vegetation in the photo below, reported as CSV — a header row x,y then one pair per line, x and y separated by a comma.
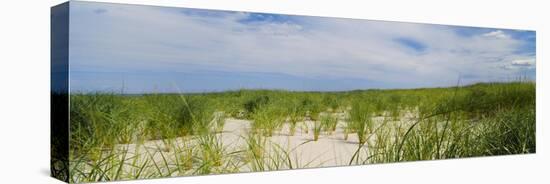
x,y
122,92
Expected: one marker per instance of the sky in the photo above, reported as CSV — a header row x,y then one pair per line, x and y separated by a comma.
x,y
149,49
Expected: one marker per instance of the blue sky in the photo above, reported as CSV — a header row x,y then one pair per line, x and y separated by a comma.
x,y
143,49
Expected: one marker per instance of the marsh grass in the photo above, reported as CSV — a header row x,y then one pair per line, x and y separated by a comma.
x,y
361,120
478,120
329,122
264,155
219,119
185,156
212,153
317,127
255,151
267,120
295,114
391,126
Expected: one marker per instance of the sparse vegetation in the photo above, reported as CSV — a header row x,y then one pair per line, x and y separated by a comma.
x,y
114,136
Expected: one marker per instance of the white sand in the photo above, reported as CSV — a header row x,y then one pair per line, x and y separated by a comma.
x,y
329,150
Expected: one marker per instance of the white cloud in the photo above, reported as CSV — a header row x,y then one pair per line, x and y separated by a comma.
x,y
497,34
142,38
520,65
524,62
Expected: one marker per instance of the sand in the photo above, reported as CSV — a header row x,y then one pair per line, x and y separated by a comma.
x,y
331,149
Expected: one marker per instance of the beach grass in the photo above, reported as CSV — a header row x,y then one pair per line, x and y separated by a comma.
x,y
111,135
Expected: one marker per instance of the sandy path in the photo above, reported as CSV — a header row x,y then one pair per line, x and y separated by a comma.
x,y
329,150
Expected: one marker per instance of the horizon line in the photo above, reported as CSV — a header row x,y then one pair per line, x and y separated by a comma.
x,y
121,92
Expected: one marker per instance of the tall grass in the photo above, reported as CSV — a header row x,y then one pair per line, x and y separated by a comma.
x,y
361,120
267,120
212,153
477,120
295,114
329,122
317,127
111,134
